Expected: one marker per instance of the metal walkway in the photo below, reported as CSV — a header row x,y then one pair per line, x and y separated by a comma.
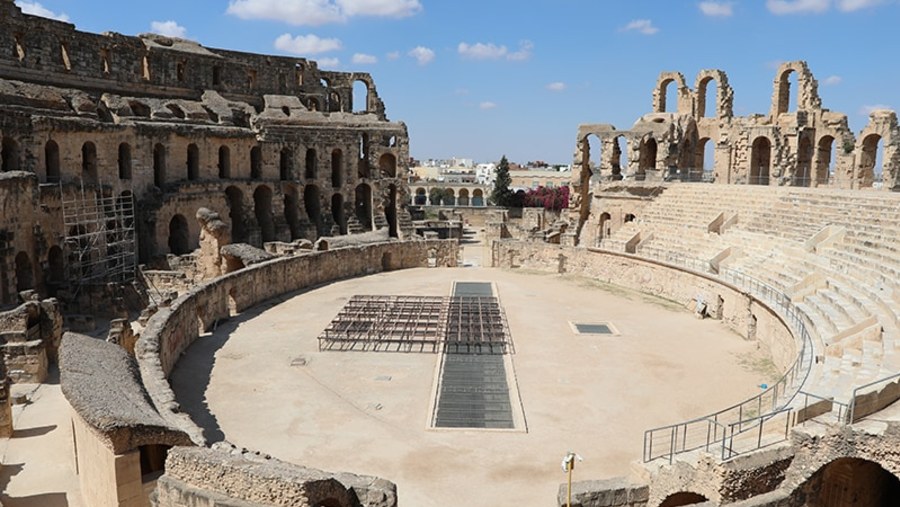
x,y
473,393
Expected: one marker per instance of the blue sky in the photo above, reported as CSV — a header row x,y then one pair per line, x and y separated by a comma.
x,y
479,79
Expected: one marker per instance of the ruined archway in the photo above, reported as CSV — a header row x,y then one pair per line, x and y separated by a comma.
x,y
51,162
605,230
236,213
363,205
255,163
619,158
669,88
10,158
24,272
387,164
463,199
292,211
159,165
850,481
89,163
796,75
803,172
477,197
683,498
390,210
649,150
421,197
262,207
760,161
869,158
363,166
224,162
179,235
707,98
826,156
311,161
337,163
337,212
360,96
124,161
193,162
313,206
286,164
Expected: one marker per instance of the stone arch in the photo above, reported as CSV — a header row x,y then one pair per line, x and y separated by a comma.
x,y
605,230
390,210
224,162
463,199
363,205
629,217
760,161
361,93
56,265
10,156
649,151
337,171
660,104
807,89
363,167
477,197
24,272
255,163
179,235
193,162
89,163
850,481
311,163
235,199
803,172
868,159
292,211
159,165
421,197
619,154
337,212
51,162
683,498
387,164
124,161
262,207
724,100
826,155
313,206
449,197
286,164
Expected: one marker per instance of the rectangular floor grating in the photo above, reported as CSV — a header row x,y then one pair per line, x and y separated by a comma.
x,y
473,393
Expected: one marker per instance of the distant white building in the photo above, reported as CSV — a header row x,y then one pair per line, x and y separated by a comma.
x,y
486,174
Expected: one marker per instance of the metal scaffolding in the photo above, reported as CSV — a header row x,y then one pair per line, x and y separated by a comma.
x,y
100,237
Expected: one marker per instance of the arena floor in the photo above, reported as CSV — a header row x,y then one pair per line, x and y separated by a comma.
x,y
260,382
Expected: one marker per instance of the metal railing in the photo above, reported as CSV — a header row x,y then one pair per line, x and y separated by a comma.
x,y
707,431
740,440
842,408
851,411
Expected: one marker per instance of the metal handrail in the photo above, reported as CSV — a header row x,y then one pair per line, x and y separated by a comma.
x,y
758,422
842,407
851,411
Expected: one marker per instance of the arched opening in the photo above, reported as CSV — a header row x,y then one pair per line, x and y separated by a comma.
x,y
363,168
786,81
51,162
236,214
668,96
826,158
619,159
159,165
337,212
360,96
224,162
387,164
124,161
804,163
310,171
630,218
89,162
262,206
870,160
9,155
850,481
708,98
193,162
313,206
449,197
706,155
463,199
477,197
683,498
176,111
337,163
179,237
286,164
591,157
363,205
605,230
390,210
421,197
56,272
24,272
649,150
760,160
313,104
387,261
255,163
292,211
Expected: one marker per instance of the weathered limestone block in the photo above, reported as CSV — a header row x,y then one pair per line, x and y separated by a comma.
x,y
240,255
616,492
214,234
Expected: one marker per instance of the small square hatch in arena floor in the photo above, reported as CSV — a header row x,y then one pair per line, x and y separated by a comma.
x,y
594,328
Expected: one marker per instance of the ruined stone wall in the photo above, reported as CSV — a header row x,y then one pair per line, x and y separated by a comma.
x,y
170,331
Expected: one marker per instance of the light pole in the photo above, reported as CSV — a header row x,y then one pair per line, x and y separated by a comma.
x,y
568,465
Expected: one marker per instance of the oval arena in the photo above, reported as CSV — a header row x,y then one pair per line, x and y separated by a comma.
x,y
218,290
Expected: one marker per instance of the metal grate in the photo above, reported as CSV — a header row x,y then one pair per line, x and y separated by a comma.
x,y
593,328
473,289
473,393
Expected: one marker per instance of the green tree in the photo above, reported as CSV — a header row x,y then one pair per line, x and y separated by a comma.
x,y
502,195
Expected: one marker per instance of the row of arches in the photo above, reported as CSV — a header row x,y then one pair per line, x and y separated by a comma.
x,y
25,276
689,158
815,161
10,160
449,197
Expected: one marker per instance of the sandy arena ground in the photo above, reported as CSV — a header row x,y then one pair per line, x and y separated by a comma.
x,y
260,382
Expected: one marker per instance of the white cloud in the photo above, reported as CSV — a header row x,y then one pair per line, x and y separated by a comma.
x,y
36,9
320,12
393,55
832,80
364,59
169,29
491,51
781,7
423,55
306,44
717,9
855,5
557,86
331,63
867,110
487,105
644,26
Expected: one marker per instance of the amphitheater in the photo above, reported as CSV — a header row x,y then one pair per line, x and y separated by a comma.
x,y
212,294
